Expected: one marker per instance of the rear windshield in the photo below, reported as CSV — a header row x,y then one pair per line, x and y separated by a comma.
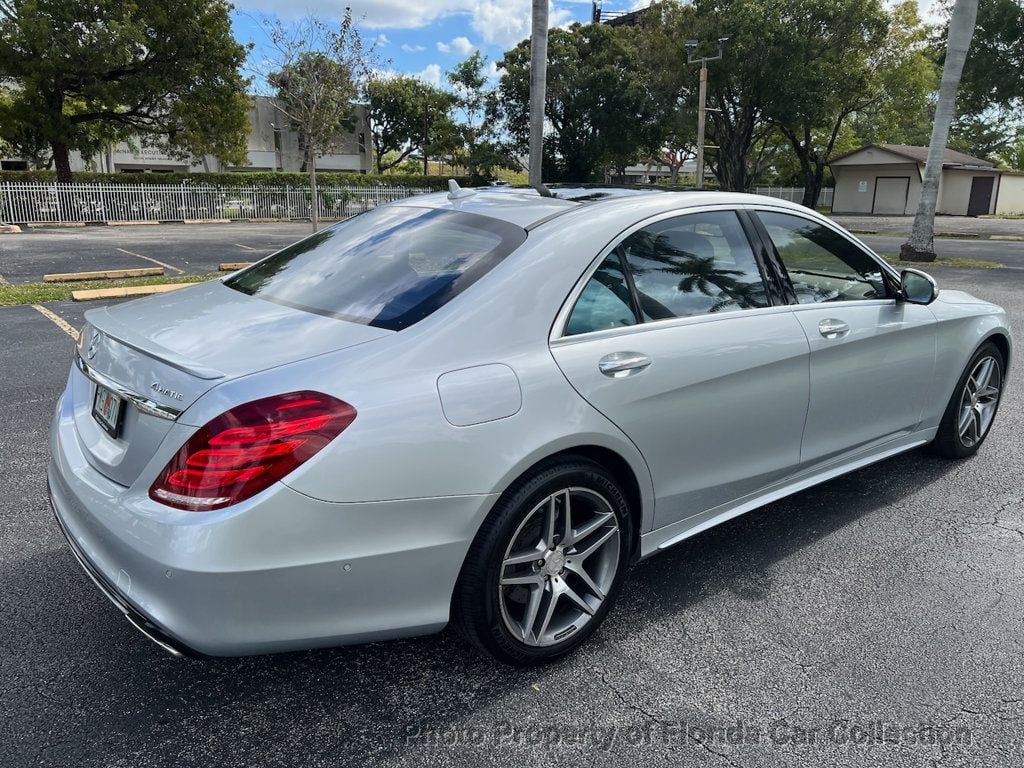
x,y
389,267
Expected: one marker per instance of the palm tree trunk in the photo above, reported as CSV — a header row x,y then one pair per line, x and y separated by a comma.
x,y
538,85
921,246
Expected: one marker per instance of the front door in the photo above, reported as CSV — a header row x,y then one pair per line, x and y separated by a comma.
x,y
871,357
980,201
674,339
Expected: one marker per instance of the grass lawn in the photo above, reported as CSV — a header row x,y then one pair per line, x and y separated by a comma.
x,y
961,263
35,293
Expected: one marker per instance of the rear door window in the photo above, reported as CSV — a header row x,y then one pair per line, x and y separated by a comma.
x,y
388,268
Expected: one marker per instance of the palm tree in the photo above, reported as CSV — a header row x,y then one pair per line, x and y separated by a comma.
x,y
921,246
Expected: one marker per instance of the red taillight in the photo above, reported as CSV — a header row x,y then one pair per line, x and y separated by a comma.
x,y
248,448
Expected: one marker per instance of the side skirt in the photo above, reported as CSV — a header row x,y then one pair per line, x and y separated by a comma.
x,y
663,538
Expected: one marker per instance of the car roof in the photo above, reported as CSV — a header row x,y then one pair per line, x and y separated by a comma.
x,y
525,207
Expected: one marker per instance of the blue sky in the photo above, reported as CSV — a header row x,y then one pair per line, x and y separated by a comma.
x,y
423,37
427,37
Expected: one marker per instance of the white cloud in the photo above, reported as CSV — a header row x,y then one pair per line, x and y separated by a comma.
x,y
430,74
493,70
459,45
462,46
498,22
382,40
506,22
412,48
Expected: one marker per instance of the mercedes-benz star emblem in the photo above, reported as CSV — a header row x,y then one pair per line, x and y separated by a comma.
x,y
94,346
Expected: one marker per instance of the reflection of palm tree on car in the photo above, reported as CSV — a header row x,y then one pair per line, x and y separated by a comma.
x,y
698,273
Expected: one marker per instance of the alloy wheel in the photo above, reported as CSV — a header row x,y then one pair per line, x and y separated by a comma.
x,y
979,400
559,566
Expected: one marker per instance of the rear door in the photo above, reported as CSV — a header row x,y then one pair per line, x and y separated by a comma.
x,y
676,337
871,356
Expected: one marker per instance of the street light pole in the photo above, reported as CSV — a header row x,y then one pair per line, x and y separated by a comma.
x,y
702,95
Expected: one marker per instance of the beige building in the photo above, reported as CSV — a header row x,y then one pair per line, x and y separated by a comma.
x,y
272,145
885,179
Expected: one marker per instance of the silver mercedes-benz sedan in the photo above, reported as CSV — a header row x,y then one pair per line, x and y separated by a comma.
x,y
480,407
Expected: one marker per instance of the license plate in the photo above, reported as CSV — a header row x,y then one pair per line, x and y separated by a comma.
x,y
106,409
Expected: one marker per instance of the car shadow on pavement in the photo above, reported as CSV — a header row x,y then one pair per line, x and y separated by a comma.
x,y
115,688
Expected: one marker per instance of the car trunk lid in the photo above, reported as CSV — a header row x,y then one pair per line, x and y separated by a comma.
x,y
162,353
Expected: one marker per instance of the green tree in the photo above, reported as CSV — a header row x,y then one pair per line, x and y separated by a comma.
x,y
315,77
600,107
84,75
408,115
830,73
907,78
481,151
990,102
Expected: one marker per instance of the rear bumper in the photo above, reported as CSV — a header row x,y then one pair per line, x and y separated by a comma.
x,y
134,616
278,572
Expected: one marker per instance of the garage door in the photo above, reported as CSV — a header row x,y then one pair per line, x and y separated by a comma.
x,y
891,195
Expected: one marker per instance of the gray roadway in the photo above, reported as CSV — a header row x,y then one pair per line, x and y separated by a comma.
x,y
893,595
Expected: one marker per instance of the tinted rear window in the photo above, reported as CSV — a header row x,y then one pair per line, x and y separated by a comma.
x,y
388,268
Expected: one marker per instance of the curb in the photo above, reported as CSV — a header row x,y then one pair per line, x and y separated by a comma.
x,y
231,266
206,221
9,229
122,293
106,274
131,223
1014,238
56,225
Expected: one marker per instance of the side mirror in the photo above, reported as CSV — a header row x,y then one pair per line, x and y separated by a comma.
x,y
917,287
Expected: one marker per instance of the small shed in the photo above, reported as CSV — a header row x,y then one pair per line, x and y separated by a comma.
x,y
885,179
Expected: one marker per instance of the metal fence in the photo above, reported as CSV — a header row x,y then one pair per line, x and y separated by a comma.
x,y
33,203
796,194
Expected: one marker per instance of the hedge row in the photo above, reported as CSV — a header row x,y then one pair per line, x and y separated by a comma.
x,y
268,179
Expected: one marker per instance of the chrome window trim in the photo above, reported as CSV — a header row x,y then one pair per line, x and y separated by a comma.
x,y
143,404
562,317
672,322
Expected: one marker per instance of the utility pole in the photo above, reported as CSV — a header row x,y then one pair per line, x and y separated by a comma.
x,y
538,85
702,95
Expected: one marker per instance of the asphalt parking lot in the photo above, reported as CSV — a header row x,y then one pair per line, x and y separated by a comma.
x,y
874,620
194,249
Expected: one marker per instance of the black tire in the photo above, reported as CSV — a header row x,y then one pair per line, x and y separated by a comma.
x,y
477,604
948,441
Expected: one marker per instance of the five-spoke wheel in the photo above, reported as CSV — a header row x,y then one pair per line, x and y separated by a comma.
x,y
972,408
559,566
544,568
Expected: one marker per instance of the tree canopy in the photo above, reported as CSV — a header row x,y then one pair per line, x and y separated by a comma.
x,y
84,75
601,108
408,115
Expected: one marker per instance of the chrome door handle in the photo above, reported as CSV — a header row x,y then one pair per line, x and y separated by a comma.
x,y
620,364
832,328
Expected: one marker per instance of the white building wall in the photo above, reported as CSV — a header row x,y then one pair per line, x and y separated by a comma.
x,y
272,145
1011,194
855,185
955,191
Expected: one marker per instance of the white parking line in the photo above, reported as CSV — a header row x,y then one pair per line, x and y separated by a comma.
x,y
59,321
244,246
162,264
